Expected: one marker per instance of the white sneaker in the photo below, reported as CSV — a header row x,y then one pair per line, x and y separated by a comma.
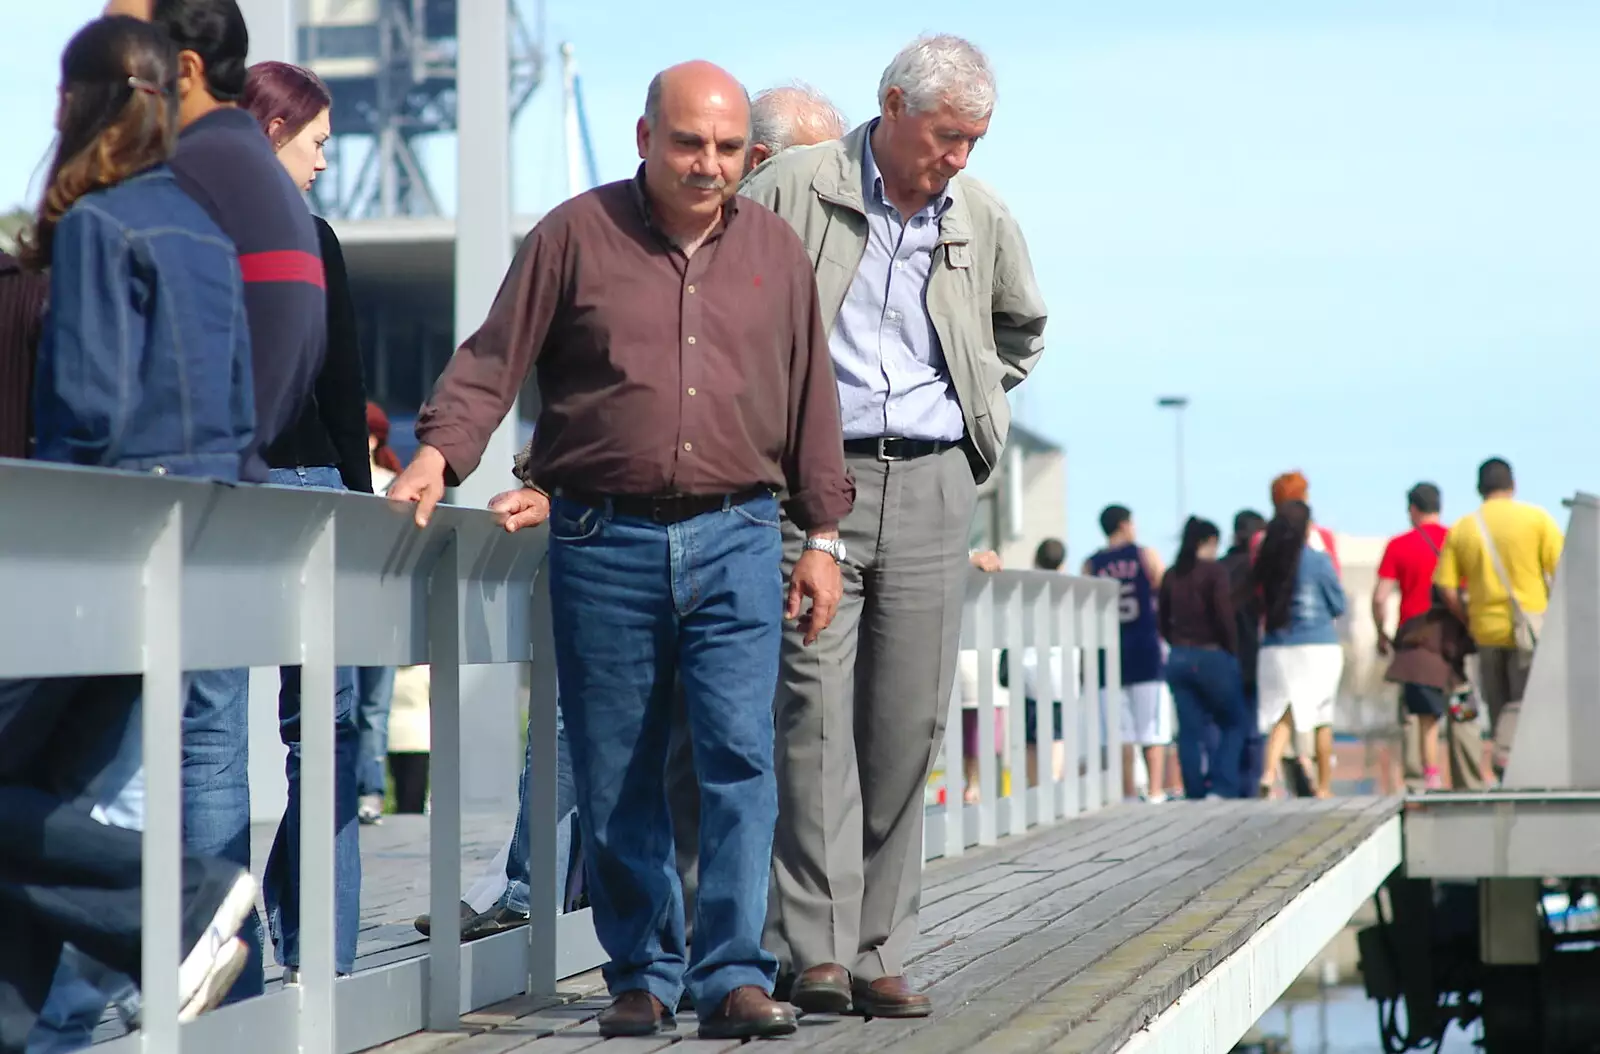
x,y
214,963
370,811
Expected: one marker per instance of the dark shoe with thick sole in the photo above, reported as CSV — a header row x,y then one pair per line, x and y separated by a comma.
x,y
424,923
635,1013
890,997
822,989
497,919
748,1013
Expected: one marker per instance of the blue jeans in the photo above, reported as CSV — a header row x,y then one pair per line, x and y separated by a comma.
x,y
1206,690
517,895
280,886
374,693
216,789
637,604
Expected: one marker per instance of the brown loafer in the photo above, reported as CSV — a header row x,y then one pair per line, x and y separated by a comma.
x,y
748,1013
822,989
635,1013
890,997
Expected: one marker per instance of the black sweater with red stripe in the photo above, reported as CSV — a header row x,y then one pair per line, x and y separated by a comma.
x,y
227,165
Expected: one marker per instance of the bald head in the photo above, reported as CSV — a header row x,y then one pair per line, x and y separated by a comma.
x,y
693,137
792,115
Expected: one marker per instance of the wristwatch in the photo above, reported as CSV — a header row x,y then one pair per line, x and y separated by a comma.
x,y
834,547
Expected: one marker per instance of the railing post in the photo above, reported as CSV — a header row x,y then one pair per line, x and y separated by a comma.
x,y
1074,672
543,952
318,794
1102,703
1045,702
444,780
161,865
988,778
1016,708
1110,628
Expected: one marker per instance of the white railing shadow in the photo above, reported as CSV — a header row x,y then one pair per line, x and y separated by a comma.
x,y
1050,630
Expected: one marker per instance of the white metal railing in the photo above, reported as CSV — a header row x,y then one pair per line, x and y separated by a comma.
x,y
105,573
1052,629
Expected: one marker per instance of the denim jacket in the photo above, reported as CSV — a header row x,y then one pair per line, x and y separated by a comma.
x,y
144,362
1318,603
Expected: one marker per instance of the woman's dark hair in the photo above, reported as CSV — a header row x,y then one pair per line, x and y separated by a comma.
x,y
1278,562
1196,533
281,91
119,116
215,31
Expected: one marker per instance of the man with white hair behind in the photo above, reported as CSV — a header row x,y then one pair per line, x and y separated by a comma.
x,y
933,315
794,114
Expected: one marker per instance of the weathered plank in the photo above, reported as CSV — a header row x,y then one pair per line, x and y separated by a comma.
x,y
1069,939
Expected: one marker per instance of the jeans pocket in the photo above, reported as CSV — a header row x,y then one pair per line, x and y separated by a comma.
x,y
763,512
570,522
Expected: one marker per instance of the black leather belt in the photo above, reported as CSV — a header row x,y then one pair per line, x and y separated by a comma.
x,y
893,448
663,508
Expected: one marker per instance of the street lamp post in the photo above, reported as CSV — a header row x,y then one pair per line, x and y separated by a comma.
x,y
1177,404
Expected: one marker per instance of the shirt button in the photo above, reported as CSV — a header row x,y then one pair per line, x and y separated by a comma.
x,y
899,265
691,289
688,446
691,391
691,340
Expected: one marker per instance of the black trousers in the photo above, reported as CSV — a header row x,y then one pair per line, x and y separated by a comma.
x,y
63,876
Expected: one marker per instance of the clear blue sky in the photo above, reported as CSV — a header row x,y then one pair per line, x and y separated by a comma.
x,y
1362,235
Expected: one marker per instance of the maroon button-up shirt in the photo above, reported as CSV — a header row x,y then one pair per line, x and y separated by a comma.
x,y
658,373
22,297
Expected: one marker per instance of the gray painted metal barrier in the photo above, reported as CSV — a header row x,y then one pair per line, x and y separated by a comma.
x,y
113,573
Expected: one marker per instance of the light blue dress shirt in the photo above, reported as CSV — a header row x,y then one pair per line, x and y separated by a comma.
x,y
891,369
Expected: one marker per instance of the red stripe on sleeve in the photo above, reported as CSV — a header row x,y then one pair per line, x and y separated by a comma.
x,y
289,265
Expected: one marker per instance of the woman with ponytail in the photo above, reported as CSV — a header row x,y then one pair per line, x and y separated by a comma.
x,y
144,359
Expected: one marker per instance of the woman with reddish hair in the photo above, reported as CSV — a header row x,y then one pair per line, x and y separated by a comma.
x,y
326,448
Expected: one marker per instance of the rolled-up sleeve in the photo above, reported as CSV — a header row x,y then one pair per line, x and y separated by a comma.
x,y
821,491
481,382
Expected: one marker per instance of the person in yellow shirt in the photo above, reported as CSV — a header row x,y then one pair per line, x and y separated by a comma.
x,y
1528,544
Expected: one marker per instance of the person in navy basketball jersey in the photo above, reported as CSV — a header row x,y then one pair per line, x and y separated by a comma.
x,y
1145,719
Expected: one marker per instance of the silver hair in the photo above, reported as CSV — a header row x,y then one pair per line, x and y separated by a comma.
x,y
932,71
778,114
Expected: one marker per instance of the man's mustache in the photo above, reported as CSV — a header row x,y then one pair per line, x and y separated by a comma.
x,y
704,182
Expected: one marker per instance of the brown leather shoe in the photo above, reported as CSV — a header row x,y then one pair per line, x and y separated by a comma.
x,y
748,1013
822,989
635,1013
890,997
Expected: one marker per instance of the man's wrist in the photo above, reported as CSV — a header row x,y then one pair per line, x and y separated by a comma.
x,y
830,532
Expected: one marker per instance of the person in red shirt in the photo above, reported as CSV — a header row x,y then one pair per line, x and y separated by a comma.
x,y
1407,568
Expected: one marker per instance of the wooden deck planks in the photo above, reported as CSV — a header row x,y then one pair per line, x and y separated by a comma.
x,y
1068,940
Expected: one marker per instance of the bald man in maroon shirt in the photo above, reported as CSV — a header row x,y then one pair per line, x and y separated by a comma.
x,y
685,379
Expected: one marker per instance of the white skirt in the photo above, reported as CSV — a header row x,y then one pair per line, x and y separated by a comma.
x,y
1300,678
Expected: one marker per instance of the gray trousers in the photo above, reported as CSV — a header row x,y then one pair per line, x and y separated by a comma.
x,y
860,719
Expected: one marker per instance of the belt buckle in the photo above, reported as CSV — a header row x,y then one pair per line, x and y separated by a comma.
x,y
883,449
660,509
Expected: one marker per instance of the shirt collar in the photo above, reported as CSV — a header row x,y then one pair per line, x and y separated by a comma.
x,y
872,182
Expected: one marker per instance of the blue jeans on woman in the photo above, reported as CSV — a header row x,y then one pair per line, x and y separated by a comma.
x,y
639,605
374,694
1206,689
517,894
280,886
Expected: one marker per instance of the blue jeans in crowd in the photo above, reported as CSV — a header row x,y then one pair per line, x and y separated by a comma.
x,y
280,885
517,894
641,603
1206,689
374,694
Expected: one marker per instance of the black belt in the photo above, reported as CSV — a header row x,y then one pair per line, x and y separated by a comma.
x,y
663,508
893,448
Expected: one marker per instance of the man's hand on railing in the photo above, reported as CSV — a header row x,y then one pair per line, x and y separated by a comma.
x,y
985,560
421,483
525,507
815,575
